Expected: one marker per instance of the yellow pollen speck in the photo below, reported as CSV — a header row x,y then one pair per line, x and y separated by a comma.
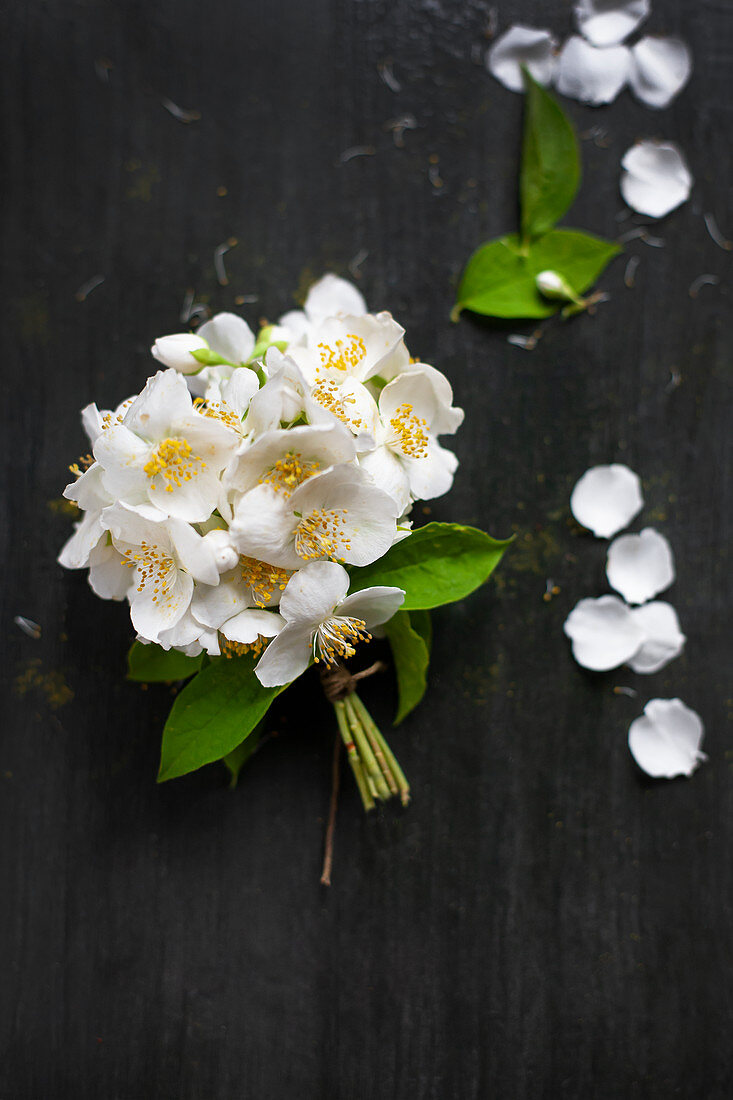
x,y
173,461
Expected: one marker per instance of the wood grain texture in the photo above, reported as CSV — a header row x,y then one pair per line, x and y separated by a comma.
x,y
542,922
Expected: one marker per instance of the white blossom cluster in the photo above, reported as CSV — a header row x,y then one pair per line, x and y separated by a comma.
x,y
224,500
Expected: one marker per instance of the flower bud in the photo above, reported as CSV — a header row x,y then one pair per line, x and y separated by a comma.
x,y
553,285
175,351
225,556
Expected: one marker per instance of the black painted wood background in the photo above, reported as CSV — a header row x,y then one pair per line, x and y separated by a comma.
x,y
542,921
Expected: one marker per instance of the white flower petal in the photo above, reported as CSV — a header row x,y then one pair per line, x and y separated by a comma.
x,y
655,178
663,639
640,566
109,577
606,499
591,75
312,593
603,633
91,421
151,613
263,527
164,400
194,553
665,741
431,476
286,656
230,336
213,606
389,473
320,445
332,297
660,68
374,605
520,45
247,626
608,22
224,551
175,351
76,550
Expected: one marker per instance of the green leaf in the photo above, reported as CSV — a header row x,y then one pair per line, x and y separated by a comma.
x,y
150,664
550,171
237,758
437,564
499,279
212,716
421,622
411,657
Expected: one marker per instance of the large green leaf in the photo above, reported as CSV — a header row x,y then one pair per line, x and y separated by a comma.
x,y
149,664
437,564
550,172
411,658
238,757
212,716
499,279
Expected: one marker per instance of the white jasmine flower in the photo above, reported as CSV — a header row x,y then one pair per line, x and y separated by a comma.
x,y
166,556
665,741
606,499
522,46
322,622
228,399
608,22
175,351
655,178
603,633
285,457
231,611
337,514
663,639
166,453
328,297
660,68
284,399
591,75
640,566
408,461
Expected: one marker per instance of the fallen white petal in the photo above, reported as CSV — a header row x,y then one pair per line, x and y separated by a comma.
x,y
519,46
606,499
665,741
640,566
608,22
655,178
663,639
591,75
660,68
603,633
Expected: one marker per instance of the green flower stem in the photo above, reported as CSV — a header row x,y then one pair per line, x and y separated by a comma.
x,y
354,760
375,734
368,759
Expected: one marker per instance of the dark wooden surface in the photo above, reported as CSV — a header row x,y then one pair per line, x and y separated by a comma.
x,y
543,921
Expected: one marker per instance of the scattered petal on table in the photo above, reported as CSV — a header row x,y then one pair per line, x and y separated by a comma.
x,y
519,46
665,741
608,22
663,639
640,566
603,633
591,75
606,499
655,178
660,68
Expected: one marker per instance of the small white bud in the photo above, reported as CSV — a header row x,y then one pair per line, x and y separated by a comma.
x,y
225,556
175,351
553,285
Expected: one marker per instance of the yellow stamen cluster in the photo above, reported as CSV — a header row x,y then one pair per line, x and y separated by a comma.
x,y
328,393
83,463
218,410
289,472
320,534
239,649
154,567
337,638
173,460
343,354
409,431
263,579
